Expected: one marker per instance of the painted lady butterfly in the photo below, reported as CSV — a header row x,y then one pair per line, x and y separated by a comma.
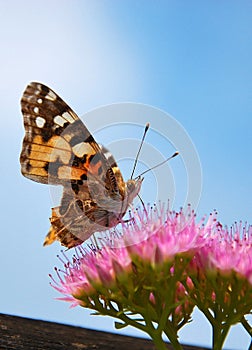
x,y
58,149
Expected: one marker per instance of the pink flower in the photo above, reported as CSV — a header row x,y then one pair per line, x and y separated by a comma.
x,y
160,235
229,250
154,238
159,266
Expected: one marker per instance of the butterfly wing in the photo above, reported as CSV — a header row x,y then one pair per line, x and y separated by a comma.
x,y
59,149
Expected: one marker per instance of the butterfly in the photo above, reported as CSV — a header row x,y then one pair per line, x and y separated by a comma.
x,y
58,149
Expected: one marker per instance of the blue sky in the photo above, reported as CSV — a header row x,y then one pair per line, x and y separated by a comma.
x,y
191,59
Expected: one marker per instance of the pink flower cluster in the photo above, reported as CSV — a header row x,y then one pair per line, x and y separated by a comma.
x,y
155,238
160,266
229,250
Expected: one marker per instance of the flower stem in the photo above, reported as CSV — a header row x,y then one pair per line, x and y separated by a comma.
x,y
158,342
219,336
156,334
169,332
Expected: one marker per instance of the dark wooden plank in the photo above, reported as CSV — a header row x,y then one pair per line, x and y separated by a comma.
x,y
24,333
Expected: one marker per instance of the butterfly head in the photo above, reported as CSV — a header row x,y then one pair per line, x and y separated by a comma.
x,y
133,188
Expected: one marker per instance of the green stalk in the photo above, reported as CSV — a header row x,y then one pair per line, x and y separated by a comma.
x,y
155,334
164,326
172,336
158,341
219,336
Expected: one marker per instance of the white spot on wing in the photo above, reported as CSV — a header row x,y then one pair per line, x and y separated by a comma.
x,y
39,100
68,117
40,122
59,120
36,110
83,148
51,96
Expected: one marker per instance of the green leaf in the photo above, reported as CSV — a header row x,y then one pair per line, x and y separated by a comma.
x,y
95,313
119,325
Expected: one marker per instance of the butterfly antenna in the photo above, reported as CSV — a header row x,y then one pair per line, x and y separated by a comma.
x,y
139,150
159,164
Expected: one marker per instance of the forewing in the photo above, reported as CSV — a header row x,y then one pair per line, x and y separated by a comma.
x,y
57,147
